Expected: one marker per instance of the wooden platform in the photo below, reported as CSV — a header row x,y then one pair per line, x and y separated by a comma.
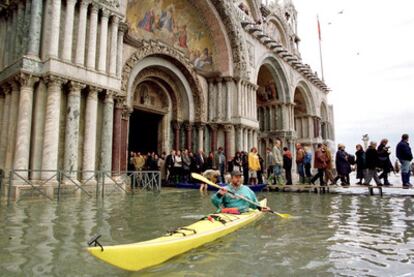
x,y
337,189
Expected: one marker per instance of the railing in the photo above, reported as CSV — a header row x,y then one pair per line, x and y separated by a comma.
x,y
53,182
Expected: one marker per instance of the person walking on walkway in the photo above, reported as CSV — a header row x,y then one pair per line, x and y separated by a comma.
x,y
254,166
372,162
245,166
287,165
300,156
384,161
329,165
320,164
405,156
343,167
360,163
277,168
307,164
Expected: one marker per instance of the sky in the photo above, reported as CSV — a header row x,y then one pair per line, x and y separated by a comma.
x,y
368,53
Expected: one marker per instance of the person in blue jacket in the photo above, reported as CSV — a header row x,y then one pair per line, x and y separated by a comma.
x,y
222,199
405,156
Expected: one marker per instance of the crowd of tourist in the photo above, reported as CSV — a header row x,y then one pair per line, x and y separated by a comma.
x,y
276,167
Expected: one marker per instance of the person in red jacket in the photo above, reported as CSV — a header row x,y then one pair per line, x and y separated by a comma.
x,y
320,163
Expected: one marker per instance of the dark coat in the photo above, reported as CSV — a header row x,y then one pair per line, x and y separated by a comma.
x,y
371,158
199,162
342,165
321,159
404,151
360,163
384,159
287,161
169,162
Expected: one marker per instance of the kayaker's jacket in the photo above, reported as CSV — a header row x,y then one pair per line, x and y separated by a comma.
x,y
230,201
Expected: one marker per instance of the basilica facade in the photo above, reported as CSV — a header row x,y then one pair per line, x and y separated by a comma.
x,y
83,82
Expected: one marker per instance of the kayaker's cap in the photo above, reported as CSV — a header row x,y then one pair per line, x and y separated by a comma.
x,y
236,173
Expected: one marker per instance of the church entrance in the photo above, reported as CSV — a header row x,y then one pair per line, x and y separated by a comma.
x,y
144,132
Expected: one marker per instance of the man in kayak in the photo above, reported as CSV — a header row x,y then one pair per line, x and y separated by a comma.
x,y
222,199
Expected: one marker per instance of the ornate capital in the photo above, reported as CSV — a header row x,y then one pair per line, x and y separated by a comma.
x,y
123,27
75,87
228,128
109,96
93,92
115,19
105,13
6,88
188,126
94,8
176,125
26,80
53,80
85,3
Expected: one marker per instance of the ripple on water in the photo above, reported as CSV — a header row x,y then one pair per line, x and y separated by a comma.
x,y
328,235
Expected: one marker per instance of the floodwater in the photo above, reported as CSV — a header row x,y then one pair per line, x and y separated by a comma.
x,y
330,235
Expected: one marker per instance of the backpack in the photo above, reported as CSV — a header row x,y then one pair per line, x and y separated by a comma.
x,y
308,158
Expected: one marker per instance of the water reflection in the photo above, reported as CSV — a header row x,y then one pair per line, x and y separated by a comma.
x,y
330,235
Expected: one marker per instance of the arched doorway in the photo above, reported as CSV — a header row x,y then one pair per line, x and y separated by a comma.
x,y
303,124
164,104
269,110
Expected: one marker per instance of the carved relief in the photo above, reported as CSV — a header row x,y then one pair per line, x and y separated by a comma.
x,y
152,48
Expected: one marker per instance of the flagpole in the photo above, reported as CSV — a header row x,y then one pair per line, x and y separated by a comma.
x,y
320,48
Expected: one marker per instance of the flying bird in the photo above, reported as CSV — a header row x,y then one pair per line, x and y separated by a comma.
x,y
341,12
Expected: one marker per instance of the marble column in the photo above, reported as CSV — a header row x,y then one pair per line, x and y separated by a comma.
x,y
81,38
24,123
38,127
55,29
114,42
68,31
246,140
103,41
229,107
124,139
116,134
73,111
228,145
239,138
19,30
89,149
189,136
93,23
285,117
52,121
255,139
4,125
312,132
176,128
121,31
200,131
12,49
35,28
219,99
250,138
11,133
26,27
213,141
106,140
2,97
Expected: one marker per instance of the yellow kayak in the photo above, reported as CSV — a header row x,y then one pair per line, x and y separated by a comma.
x,y
137,256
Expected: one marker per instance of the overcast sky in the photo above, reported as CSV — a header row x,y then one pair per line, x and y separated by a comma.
x,y
368,53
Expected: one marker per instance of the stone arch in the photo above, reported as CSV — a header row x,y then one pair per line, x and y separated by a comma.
x,y
281,28
155,54
306,93
235,34
278,74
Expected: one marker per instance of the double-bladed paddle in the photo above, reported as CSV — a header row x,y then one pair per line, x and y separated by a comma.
x,y
208,182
